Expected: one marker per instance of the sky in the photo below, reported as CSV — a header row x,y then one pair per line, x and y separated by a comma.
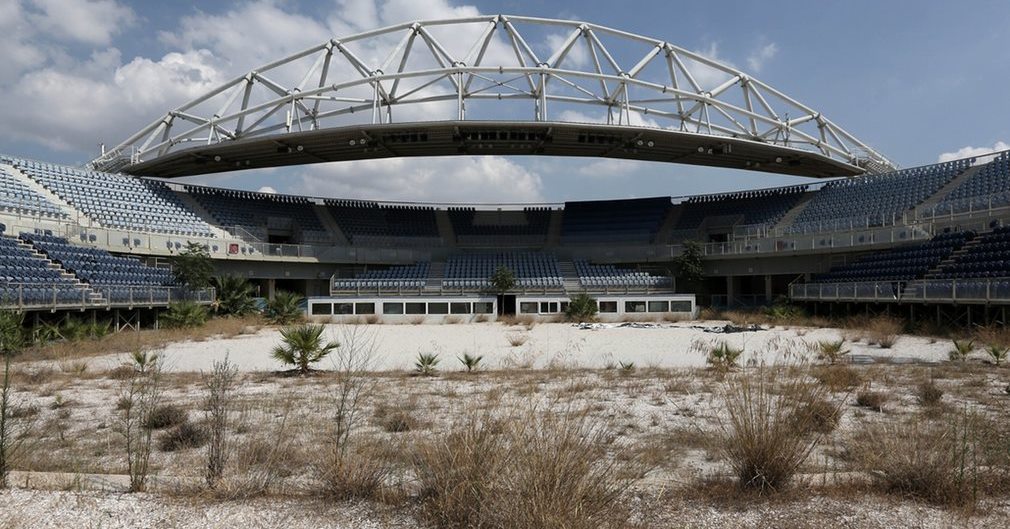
x,y
918,80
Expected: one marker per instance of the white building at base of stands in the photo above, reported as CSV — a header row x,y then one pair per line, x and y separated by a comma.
x,y
467,308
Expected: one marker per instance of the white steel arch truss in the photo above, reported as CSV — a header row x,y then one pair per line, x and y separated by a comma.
x,y
411,72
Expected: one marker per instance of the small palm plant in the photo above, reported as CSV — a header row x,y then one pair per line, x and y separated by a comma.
x,y
303,346
426,364
627,368
961,350
285,308
998,353
234,296
470,362
831,352
723,357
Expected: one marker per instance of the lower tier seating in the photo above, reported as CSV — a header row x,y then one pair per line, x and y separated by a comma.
x,y
604,276
906,263
531,269
410,276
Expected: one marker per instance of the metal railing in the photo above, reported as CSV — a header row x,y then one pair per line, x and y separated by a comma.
x,y
37,296
984,290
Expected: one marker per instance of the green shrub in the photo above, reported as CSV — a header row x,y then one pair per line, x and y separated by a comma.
x,y
831,352
470,362
234,296
723,357
960,350
426,364
184,436
184,315
285,308
303,346
582,308
163,416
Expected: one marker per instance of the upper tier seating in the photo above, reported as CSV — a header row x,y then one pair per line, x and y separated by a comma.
x,y
604,276
988,258
874,200
526,226
27,279
368,223
118,279
531,269
988,187
258,212
118,201
410,276
899,264
18,198
628,221
764,206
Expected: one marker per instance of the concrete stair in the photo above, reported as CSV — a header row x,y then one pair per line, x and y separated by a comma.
x,y
569,277
330,224
445,230
95,297
436,273
194,206
70,210
954,183
554,228
666,227
790,216
954,256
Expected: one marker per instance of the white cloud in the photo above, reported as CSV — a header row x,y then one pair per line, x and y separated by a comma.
x,y
759,57
968,152
268,190
443,179
87,21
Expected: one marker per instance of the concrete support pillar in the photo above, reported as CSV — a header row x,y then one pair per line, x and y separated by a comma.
x,y
730,291
768,288
271,288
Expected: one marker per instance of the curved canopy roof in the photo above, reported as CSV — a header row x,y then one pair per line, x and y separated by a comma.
x,y
504,85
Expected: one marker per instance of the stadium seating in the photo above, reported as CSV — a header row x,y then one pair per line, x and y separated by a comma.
x,y
988,187
625,221
118,279
366,222
528,226
988,257
411,276
258,212
27,279
873,200
764,206
18,198
608,276
117,201
906,263
531,269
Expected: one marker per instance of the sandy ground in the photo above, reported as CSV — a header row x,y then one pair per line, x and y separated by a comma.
x,y
647,345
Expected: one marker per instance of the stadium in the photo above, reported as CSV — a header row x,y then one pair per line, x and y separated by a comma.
x,y
925,238
861,240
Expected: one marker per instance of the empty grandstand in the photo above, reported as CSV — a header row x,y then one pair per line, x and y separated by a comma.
x,y
117,201
765,206
371,223
623,221
262,214
874,200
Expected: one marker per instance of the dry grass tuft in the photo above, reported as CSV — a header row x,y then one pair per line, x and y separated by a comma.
x,y
872,400
884,331
521,467
769,431
837,377
395,419
184,436
362,474
165,416
937,461
928,394
517,339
